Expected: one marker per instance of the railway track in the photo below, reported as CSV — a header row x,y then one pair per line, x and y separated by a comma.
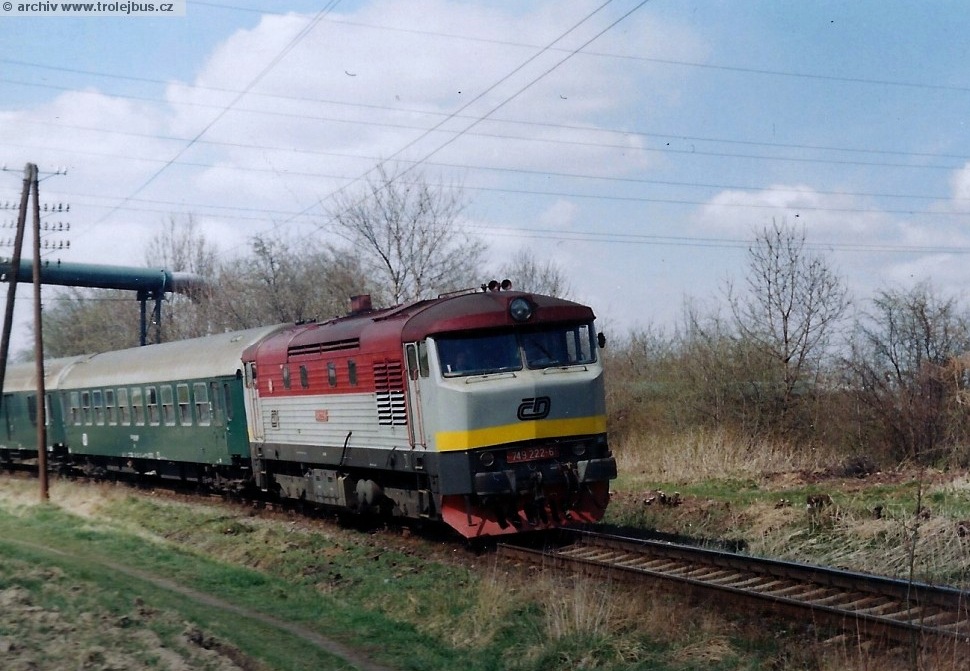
x,y
857,603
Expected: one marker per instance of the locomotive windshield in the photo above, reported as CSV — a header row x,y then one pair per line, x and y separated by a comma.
x,y
504,351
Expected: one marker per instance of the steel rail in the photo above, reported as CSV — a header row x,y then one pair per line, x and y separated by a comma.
x,y
864,604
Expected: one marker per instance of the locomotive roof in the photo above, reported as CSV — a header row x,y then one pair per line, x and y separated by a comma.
x,y
488,309
405,323
210,356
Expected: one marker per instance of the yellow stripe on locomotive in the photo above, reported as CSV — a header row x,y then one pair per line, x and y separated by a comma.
x,y
447,441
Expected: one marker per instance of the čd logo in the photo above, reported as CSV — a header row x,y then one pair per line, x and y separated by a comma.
x,y
534,408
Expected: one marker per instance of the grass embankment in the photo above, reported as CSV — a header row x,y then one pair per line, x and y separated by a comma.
x,y
125,581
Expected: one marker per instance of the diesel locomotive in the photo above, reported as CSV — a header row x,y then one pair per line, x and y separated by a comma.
x,y
482,409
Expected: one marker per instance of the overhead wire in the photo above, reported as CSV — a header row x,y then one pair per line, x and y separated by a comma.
x,y
692,151
306,30
241,94
465,106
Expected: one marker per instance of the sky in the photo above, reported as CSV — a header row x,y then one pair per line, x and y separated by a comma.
x,y
640,146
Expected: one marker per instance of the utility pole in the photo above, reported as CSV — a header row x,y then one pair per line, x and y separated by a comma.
x,y
39,352
31,183
30,171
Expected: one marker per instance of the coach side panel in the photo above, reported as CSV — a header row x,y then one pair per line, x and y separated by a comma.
x,y
194,421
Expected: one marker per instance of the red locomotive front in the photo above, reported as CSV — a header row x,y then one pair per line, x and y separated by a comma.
x,y
485,410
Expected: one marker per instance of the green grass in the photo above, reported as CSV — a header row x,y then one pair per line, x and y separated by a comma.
x,y
388,600
397,602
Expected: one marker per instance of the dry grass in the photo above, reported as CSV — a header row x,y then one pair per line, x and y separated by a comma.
x,y
886,546
577,605
497,595
700,455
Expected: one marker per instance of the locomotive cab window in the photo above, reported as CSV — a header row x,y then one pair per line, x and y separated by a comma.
x,y
417,358
478,354
548,346
559,346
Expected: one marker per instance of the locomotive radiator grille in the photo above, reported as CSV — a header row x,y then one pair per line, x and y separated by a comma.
x,y
389,387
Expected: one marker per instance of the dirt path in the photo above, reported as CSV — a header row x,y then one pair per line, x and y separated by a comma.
x,y
349,655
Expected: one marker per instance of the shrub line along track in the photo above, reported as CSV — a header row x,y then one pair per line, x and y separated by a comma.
x,y
858,603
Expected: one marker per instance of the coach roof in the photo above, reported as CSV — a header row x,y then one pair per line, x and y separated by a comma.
x,y
198,358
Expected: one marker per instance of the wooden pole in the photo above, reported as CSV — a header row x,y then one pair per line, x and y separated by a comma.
x,y
29,170
39,353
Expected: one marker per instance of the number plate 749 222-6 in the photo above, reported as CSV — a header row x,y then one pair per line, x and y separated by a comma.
x,y
532,454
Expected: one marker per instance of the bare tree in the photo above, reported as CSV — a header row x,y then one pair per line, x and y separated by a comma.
x,y
790,311
528,274
407,235
907,371
286,281
85,321
178,247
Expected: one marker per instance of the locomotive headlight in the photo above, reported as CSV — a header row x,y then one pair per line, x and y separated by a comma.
x,y
487,459
579,449
520,309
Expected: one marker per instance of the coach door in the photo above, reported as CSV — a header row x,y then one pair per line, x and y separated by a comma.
x,y
416,356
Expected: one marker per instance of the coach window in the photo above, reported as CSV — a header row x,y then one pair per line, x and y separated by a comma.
x,y
304,378
109,407
185,408
98,404
332,373
32,408
151,403
218,413
168,405
75,408
138,406
227,400
203,413
124,412
86,407
352,372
